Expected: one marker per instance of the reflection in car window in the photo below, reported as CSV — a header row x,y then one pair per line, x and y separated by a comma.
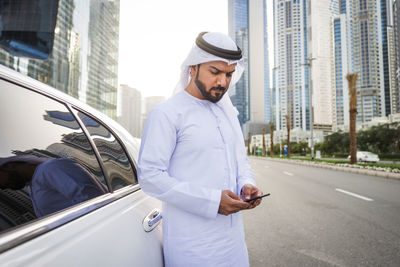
x,y
54,183
113,155
37,126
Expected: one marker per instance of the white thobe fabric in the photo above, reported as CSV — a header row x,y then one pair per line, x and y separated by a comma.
x,y
188,156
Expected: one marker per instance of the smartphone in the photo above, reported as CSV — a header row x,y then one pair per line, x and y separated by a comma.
x,y
254,198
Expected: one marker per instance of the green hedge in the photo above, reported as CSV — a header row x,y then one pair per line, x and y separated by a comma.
x,y
389,156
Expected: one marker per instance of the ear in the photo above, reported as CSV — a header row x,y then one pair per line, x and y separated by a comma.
x,y
192,70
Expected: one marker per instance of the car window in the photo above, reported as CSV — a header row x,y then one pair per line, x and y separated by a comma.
x,y
46,162
115,159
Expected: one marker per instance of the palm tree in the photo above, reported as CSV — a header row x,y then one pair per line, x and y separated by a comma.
x,y
248,144
272,138
352,80
263,140
288,134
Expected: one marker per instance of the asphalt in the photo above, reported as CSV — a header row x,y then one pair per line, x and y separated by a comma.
x,y
383,174
322,217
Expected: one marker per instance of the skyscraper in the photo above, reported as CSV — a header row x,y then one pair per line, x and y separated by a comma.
x,y
303,57
238,15
396,33
320,57
248,27
341,64
131,110
290,76
84,61
370,57
103,56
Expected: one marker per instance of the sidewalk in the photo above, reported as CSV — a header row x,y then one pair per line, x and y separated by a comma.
x,y
390,175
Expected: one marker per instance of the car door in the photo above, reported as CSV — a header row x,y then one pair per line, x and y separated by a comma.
x,y
119,227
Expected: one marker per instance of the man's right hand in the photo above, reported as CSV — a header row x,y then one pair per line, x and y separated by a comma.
x,y
231,203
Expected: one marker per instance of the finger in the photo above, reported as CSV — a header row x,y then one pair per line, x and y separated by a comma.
x,y
254,193
241,205
233,195
246,192
255,203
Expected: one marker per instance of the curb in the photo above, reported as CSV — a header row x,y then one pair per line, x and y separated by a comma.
x,y
389,175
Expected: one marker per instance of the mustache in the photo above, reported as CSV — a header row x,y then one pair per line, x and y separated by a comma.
x,y
219,88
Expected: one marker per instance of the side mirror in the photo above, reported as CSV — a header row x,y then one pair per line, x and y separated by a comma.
x,y
27,27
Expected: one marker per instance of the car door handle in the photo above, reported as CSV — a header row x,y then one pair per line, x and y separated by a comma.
x,y
152,220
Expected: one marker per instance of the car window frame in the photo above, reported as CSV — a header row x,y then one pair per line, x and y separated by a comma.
x,y
115,135
20,234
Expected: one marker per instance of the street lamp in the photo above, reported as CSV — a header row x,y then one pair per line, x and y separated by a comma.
x,y
309,61
274,91
280,144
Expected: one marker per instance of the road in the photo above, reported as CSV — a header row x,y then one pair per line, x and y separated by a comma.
x,y
322,217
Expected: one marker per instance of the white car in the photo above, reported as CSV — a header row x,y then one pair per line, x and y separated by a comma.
x,y
366,156
120,227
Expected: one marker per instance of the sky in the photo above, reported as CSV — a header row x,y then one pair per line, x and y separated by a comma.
x,y
157,35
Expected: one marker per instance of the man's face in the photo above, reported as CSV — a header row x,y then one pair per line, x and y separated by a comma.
x,y
213,79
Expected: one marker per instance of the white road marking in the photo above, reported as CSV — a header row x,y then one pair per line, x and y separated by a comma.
x,y
288,173
354,195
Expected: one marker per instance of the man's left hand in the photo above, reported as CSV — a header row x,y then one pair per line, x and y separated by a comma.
x,y
249,191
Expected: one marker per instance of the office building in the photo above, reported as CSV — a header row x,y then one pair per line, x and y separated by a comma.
x,y
84,60
319,48
291,90
248,27
364,35
370,58
238,15
341,64
130,110
396,37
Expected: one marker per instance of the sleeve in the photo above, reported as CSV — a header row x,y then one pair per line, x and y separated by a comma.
x,y
55,178
245,174
70,180
158,144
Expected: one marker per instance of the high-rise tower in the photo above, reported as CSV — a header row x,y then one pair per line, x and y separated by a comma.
x,y
291,90
84,61
396,34
370,57
248,27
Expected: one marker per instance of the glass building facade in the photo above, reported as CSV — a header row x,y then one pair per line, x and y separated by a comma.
x,y
84,60
370,58
291,84
239,31
339,99
396,37
267,88
340,66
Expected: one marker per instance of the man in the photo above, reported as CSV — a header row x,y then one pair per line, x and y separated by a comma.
x,y
192,157
54,184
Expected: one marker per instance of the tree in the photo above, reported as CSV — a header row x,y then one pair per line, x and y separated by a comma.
x,y
288,134
263,142
352,80
248,144
272,138
298,148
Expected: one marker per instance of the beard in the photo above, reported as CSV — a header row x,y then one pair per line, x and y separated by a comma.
x,y
219,91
